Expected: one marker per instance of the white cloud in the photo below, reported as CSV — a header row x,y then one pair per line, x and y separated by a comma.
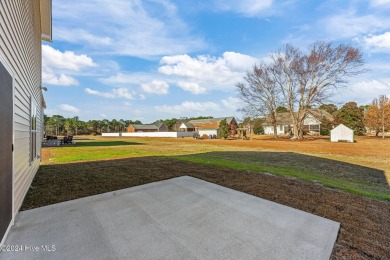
x,y
64,34
213,72
380,42
380,3
350,24
56,65
51,78
68,108
188,107
372,85
156,86
239,62
99,93
225,107
245,7
68,60
365,91
192,87
141,97
381,66
193,74
231,103
126,79
115,93
135,28
122,93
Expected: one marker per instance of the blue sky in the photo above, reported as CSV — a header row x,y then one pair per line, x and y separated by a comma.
x,y
157,59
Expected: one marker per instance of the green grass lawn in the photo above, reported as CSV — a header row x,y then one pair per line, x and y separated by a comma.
x,y
352,178
364,181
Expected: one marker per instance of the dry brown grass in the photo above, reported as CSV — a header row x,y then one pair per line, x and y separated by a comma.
x,y
366,151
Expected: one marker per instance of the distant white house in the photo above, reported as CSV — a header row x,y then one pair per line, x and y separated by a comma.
x,y
186,127
311,123
209,126
341,133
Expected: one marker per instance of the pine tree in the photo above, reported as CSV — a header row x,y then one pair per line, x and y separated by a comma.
x,y
352,116
224,129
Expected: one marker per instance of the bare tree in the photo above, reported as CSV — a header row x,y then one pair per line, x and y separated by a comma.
x,y
377,116
260,93
384,110
307,80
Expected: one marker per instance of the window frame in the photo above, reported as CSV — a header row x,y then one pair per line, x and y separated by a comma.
x,y
33,131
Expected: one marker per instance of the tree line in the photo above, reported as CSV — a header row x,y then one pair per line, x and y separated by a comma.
x,y
374,117
297,80
59,125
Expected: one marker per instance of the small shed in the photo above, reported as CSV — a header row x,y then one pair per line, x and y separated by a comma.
x,y
341,133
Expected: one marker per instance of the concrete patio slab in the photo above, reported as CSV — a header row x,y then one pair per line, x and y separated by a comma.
x,y
181,218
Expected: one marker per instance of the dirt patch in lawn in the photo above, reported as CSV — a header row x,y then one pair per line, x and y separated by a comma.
x,y
365,223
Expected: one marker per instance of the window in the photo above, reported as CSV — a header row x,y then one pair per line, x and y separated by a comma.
x,y
281,128
33,131
314,128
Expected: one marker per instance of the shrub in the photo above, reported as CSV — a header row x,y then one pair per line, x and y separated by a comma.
x,y
205,136
196,135
258,130
214,136
324,131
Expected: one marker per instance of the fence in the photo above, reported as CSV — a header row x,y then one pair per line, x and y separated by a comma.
x,y
152,134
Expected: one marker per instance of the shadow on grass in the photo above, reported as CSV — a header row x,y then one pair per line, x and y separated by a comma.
x,y
105,143
305,163
60,182
364,221
349,177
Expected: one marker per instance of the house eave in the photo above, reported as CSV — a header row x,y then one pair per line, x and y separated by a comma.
x,y
46,20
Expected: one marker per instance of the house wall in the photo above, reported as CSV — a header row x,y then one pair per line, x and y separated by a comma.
x,y
152,134
163,128
207,125
269,130
185,129
209,132
20,53
131,129
341,133
310,120
145,130
311,125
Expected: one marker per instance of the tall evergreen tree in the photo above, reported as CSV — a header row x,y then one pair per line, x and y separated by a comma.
x,y
352,116
224,129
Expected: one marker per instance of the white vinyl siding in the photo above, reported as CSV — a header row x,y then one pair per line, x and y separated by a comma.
x,y
20,52
341,133
269,130
208,132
